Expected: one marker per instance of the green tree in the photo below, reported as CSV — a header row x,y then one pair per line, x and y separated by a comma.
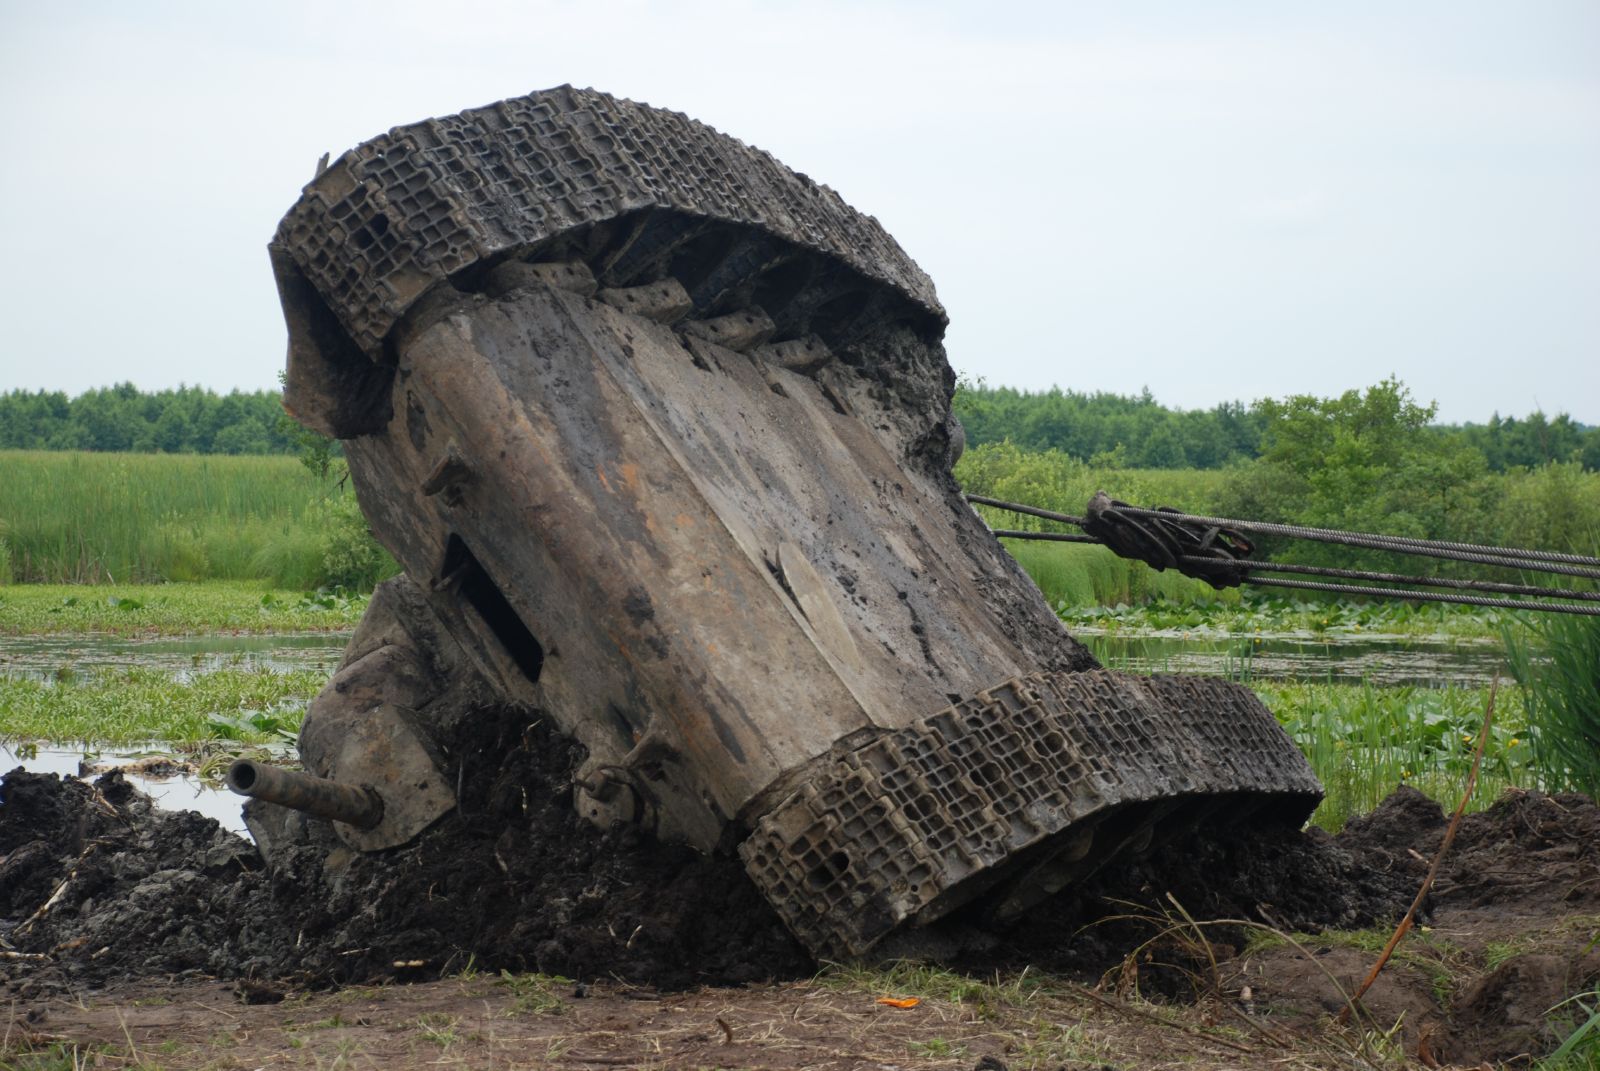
x,y
1364,461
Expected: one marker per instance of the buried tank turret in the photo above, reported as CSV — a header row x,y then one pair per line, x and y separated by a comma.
x,y
660,432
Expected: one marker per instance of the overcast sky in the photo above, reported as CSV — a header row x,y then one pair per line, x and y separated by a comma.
x,y
1219,201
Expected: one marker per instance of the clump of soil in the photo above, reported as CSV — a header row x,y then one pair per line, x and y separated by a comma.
x,y
1505,935
98,886
511,879
1289,879
515,879
96,875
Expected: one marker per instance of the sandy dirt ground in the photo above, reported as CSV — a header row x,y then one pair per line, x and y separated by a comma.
x,y
489,1023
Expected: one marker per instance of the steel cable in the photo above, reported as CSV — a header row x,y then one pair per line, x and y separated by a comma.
x,y
1503,558
1402,578
1428,596
1540,561
1050,537
1032,511
1334,535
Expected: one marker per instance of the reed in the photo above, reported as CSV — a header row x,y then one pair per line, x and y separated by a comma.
x,y
1556,659
85,518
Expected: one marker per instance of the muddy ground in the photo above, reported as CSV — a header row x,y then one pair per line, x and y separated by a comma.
x,y
119,920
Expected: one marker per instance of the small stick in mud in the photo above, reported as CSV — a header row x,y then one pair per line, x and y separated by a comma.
x,y
55,897
1438,859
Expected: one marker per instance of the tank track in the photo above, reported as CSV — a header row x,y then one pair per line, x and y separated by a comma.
x,y
896,820
919,821
638,193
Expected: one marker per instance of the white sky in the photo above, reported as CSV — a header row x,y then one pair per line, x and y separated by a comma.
x,y
1219,201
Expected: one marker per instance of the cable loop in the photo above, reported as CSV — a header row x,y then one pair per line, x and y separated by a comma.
x,y
1158,537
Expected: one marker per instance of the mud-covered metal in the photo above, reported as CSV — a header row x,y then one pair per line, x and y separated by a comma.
x,y
975,798
661,434
359,806
638,193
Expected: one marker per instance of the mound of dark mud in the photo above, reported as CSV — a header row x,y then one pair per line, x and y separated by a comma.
x,y
96,886
1523,875
1530,853
511,879
1289,879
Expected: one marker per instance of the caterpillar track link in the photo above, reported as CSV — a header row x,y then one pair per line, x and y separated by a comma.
x,y
660,432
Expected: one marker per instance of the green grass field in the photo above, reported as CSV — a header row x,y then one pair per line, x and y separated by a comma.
x,y
127,518
87,518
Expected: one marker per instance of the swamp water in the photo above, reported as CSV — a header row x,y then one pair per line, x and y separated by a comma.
x,y
53,657
1426,661
171,783
174,785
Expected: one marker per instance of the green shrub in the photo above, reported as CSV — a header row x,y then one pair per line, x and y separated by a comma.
x,y
1553,507
177,551
292,559
351,558
1052,480
1366,461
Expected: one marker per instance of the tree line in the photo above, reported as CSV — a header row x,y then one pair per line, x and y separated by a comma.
x,y
186,420
1109,430
1136,431
1367,461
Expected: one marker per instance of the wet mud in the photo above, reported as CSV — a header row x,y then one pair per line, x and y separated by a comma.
x,y
98,887
512,879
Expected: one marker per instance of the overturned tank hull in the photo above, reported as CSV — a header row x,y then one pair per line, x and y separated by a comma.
x,y
660,432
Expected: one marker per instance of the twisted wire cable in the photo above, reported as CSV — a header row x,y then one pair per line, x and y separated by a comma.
x,y
1503,557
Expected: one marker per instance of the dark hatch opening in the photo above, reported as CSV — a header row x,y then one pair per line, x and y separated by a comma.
x,y
485,597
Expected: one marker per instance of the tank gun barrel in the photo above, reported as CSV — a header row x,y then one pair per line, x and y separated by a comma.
x,y
361,806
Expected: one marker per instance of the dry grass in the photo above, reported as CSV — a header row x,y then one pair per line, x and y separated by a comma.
x,y
834,1021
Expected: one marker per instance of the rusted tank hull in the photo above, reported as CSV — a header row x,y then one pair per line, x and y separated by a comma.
x,y
725,566
665,450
